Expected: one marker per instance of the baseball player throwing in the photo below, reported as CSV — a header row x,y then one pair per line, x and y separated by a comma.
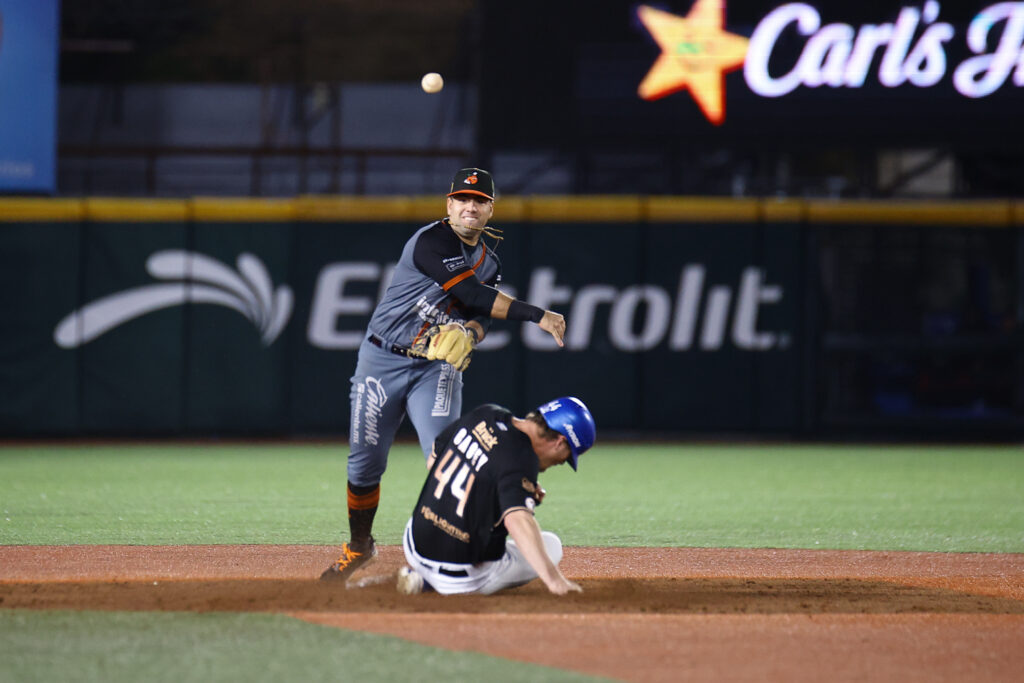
x,y
437,308
481,489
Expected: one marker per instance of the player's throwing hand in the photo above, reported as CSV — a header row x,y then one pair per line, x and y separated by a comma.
x,y
554,324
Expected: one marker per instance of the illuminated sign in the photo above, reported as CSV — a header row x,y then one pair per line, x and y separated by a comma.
x,y
696,54
910,50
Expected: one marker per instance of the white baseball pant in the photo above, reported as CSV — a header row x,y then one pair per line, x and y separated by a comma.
x,y
510,571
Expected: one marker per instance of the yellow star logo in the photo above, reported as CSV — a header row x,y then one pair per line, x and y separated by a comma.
x,y
695,53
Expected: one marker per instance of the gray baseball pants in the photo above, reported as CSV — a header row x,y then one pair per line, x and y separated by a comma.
x,y
386,387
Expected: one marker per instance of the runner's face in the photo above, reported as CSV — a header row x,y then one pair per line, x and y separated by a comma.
x,y
553,453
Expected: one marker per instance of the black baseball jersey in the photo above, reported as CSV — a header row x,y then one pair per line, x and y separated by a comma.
x,y
484,469
437,280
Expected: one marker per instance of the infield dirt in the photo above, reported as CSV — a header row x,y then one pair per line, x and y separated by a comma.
x,y
645,614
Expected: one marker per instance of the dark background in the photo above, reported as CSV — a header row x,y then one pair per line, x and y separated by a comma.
x,y
559,78
908,327
576,92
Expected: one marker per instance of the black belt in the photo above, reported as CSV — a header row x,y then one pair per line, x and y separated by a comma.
x,y
462,573
394,348
450,572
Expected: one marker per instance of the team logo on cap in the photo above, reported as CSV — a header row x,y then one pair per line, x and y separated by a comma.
x,y
548,407
471,179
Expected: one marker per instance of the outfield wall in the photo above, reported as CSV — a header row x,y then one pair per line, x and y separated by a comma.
x,y
685,315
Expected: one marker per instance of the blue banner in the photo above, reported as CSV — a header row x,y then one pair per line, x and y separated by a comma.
x,y
28,95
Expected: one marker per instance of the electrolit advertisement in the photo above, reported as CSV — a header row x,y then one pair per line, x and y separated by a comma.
x,y
28,95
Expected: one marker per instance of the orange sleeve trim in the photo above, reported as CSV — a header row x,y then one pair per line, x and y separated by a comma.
x,y
366,501
457,279
481,259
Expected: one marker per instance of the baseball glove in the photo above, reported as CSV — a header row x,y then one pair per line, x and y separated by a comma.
x,y
452,343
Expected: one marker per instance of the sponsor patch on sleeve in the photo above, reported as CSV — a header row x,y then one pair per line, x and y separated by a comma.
x,y
454,263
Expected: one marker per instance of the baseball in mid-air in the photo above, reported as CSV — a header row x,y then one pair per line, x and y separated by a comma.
x,y
432,82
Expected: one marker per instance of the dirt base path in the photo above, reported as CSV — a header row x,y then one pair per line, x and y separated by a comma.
x,y
645,614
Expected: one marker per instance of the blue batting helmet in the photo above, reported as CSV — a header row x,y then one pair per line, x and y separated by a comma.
x,y
571,418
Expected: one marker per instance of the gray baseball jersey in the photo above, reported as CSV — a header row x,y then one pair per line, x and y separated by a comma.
x,y
433,262
434,269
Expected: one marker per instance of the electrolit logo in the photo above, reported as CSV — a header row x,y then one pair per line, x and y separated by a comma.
x,y
699,312
187,277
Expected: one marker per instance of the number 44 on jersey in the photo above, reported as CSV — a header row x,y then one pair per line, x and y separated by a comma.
x,y
472,460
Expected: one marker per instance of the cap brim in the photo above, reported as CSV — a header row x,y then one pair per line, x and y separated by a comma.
x,y
477,192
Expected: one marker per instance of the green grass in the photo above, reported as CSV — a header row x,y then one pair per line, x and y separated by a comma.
x,y
118,647
876,498
873,498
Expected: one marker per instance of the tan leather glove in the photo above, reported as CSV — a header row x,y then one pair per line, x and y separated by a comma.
x,y
453,344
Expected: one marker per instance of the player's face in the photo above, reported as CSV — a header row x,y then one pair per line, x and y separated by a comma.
x,y
468,214
554,452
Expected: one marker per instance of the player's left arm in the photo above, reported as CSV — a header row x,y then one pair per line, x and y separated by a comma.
x,y
525,531
462,283
480,324
438,255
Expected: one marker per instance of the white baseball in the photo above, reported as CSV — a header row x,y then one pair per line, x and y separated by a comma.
x,y
432,82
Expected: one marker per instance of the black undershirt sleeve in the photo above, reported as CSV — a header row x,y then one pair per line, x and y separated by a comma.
x,y
475,295
438,254
520,310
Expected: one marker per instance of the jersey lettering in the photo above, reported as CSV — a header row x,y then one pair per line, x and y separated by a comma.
x,y
444,525
468,446
462,439
484,435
